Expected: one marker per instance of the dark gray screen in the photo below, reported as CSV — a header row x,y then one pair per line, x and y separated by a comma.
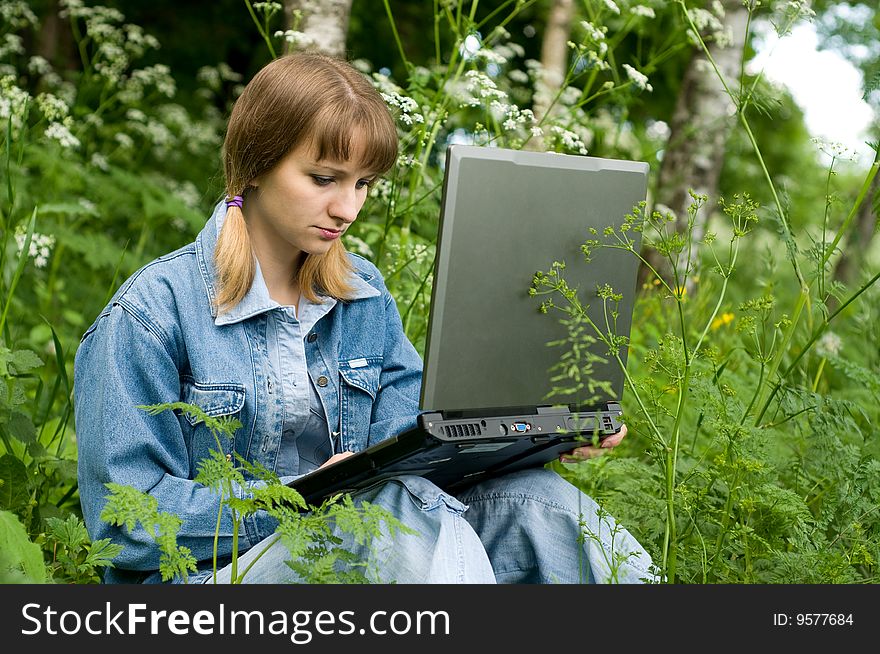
x,y
506,215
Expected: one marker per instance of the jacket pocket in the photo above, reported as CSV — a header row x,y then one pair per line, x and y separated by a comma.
x,y
357,392
216,400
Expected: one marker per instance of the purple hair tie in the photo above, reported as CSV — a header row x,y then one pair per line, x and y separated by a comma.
x,y
234,202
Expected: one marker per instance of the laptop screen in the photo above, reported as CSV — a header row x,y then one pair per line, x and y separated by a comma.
x,y
507,214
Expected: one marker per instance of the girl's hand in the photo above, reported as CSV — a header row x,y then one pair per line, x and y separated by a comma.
x,y
590,451
335,458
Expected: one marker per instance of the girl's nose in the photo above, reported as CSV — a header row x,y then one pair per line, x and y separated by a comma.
x,y
345,205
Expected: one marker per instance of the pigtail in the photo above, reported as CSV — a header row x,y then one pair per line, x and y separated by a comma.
x,y
327,272
233,257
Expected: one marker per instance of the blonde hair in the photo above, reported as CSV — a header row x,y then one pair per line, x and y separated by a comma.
x,y
304,97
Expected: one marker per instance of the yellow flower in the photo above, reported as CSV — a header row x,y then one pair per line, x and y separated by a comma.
x,y
723,319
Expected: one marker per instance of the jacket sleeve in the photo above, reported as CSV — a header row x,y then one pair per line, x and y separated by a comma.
x,y
123,362
397,401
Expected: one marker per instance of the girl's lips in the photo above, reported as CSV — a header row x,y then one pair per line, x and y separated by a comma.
x,y
330,233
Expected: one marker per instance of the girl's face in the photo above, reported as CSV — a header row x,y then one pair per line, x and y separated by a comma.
x,y
303,205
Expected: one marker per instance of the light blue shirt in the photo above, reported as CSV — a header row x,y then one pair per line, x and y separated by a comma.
x,y
306,442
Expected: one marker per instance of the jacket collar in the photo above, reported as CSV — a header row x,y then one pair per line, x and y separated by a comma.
x,y
257,299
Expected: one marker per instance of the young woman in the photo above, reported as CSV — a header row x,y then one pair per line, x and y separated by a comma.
x,y
258,319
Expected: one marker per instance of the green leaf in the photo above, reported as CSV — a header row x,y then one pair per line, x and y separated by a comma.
x,y
14,491
70,532
21,561
102,552
23,361
21,427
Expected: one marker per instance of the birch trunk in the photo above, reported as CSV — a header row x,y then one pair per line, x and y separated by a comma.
x,y
324,23
703,118
859,240
554,55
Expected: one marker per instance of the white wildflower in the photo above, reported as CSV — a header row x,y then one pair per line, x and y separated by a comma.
x,y
724,38
594,33
482,87
829,344
408,114
158,76
570,95
111,61
188,193
358,246
835,149
268,8
100,162
643,11
38,66
569,139
13,102
52,108
296,38
124,140
705,20
612,6
17,14
11,44
381,189
137,42
40,247
657,130
490,56
158,133
637,78
59,132
798,9
509,50
518,76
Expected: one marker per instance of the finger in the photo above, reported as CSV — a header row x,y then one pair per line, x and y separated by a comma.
x,y
581,454
615,439
612,441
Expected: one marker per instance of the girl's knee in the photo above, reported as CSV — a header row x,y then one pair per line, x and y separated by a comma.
x,y
532,484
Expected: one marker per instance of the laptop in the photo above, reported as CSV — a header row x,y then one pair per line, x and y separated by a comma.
x,y
488,405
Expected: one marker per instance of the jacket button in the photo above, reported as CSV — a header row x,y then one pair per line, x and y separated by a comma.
x,y
312,337
322,380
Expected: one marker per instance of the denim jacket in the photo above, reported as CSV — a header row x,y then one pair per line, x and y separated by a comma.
x,y
160,340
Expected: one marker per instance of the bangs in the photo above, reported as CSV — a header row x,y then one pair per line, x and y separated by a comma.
x,y
335,127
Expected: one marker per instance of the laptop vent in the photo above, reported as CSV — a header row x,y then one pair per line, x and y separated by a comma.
x,y
462,430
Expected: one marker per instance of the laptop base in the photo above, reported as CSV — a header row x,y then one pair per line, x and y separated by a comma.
x,y
457,452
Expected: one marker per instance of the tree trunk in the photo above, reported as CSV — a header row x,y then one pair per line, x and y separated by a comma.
x,y
703,118
54,41
858,240
554,55
324,23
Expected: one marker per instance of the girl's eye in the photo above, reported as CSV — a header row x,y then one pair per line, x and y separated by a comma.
x,y
320,180
365,183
